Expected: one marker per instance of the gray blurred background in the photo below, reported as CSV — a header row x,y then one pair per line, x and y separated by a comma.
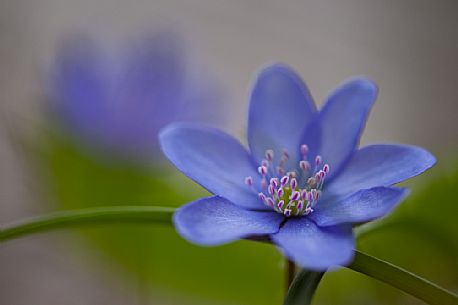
x,y
408,47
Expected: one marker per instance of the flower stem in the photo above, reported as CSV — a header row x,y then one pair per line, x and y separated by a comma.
x,y
363,263
290,269
94,216
402,279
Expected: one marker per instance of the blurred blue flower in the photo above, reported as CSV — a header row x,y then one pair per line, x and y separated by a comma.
x,y
117,102
303,182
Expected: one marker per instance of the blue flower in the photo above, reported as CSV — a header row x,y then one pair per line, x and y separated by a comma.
x,y
118,101
303,182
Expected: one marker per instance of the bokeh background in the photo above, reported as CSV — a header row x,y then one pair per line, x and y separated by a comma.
x,y
408,47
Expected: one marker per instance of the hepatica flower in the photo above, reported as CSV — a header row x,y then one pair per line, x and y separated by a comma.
x,y
117,99
303,182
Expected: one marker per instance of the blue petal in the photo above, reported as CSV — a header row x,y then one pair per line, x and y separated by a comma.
x,y
379,165
313,247
215,220
340,122
362,206
213,159
280,109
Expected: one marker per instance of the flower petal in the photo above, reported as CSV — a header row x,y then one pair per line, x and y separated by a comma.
x,y
280,109
213,159
362,206
215,220
379,165
313,247
341,122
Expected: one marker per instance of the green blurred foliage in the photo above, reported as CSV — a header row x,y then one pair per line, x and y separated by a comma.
x,y
419,236
239,273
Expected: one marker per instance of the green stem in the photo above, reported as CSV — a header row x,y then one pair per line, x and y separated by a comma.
x,y
290,270
402,279
94,216
371,266
303,288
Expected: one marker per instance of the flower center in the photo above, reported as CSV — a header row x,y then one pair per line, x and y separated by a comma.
x,y
292,193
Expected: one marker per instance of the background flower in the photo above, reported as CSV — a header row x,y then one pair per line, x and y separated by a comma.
x,y
117,100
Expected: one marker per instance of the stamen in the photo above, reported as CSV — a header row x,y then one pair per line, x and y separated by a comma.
x,y
264,183
304,165
318,177
293,183
262,170
291,174
269,155
304,150
318,160
311,182
271,189
326,168
285,154
314,194
292,193
284,180
270,202
304,194
295,195
274,182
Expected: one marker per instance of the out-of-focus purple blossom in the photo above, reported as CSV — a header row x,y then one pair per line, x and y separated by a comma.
x,y
117,102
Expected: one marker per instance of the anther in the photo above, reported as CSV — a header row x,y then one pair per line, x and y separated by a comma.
x,y
309,197
322,174
295,195
264,183
287,212
304,150
326,168
262,170
270,201
274,182
291,174
280,204
293,183
284,180
280,192
318,160
318,177
269,155
271,189
311,181
304,165
285,154
249,181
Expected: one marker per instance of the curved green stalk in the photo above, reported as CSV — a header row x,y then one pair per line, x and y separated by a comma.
x,y
402,279
363,263
94,216
303,288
